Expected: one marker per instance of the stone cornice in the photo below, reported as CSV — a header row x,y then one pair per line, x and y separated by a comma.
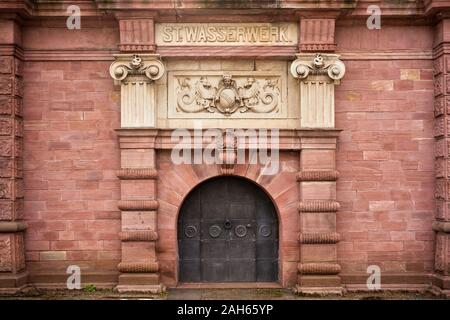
x,y
295,139
338,8
23,8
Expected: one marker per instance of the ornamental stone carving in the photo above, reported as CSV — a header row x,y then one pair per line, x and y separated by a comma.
x,y
328,65
226,96
136,74
153,69
317,74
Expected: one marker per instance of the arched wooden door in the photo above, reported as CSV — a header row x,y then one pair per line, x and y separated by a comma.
x,y
228,232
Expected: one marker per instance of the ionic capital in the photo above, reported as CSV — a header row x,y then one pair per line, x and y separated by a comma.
x,y
144,67
326,65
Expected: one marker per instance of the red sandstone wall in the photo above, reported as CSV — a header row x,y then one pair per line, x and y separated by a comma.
x,y
71,157
72,109
385,155
385,152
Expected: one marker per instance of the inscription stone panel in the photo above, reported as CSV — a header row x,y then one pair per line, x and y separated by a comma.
x,y
257,34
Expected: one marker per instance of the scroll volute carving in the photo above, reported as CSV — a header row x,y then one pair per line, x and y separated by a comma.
x,y
328,66
136,74
145,68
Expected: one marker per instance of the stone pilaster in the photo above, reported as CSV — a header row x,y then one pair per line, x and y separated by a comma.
x,y
441,69
318,268
13,275
317,74
136,74
139,268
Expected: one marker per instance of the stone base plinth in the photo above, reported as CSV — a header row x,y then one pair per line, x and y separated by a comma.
x,y
13,283
140,282
141,288
441,284
318,290
319,284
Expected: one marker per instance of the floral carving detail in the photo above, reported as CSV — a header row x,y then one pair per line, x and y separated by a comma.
x,y
439,191
439,166
439,106
438,66
439,127
439,148
5,189
438,85
227,97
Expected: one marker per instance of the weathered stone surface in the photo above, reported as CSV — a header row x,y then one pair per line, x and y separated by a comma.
x,y
6,251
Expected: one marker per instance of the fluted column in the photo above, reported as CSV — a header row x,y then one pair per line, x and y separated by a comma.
x,y
318,268
139,268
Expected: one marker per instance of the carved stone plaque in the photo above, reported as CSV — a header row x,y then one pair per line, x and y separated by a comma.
x,y
226,94
226,34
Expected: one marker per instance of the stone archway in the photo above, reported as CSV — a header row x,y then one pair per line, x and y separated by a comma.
x,y
228,232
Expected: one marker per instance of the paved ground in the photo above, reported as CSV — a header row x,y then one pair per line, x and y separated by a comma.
x,y
209,294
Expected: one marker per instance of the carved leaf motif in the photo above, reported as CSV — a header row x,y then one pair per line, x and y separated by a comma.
x,y
5,210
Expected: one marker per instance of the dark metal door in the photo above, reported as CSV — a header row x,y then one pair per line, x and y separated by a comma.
x,y
228,232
